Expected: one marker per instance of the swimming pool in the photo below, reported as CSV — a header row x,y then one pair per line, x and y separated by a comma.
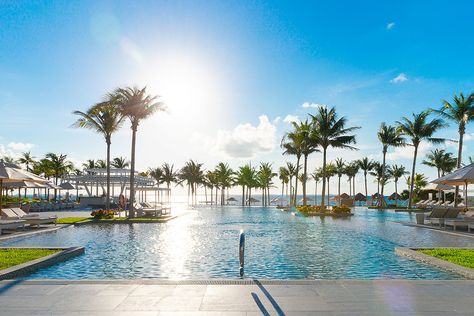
x,y
203,243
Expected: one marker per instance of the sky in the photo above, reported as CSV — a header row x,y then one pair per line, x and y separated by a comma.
x,y
232,74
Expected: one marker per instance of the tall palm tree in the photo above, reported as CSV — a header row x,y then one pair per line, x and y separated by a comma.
x,y
366,165
225,178
292,173
293,143
332,132
460,112
120,163
396,172
340,168
418,129
351,171
388,136
169,175
265,175
192,173
105,119
284,176
330,172
137,105
438,158
245,177
308,146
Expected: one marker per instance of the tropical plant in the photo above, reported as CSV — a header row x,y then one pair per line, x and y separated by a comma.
x,y
366,165
284,176
332,132
120,163
317,176
192,173
136,105
105,119
246,178
396,172
293,143
157,175
388,136
419,128
59,166
340,168
292,173
441,160
27,159
351,171
225,178
419,183
330,172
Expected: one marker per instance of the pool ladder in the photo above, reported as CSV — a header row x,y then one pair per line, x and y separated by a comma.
x,y
242,253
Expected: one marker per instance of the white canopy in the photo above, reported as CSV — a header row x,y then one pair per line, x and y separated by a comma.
x,y
437,187
461,176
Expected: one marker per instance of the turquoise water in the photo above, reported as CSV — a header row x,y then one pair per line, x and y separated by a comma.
x,y
204,244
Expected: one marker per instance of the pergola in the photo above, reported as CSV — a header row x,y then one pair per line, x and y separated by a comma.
x,y
97,178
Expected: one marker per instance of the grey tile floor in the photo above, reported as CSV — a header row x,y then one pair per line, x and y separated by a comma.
x,y
325,297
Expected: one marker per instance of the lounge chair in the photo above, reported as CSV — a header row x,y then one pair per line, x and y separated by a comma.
x,y
10,224
464,221
420,203
148,211
470,226
31,219
451,213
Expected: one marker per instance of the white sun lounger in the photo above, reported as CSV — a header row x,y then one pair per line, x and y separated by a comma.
x,y
30,219
10,224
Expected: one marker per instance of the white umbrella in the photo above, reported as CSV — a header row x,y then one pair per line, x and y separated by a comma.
x,y
437,187
461,176
12,173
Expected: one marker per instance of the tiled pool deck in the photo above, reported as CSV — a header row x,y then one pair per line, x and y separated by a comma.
x,y
325,297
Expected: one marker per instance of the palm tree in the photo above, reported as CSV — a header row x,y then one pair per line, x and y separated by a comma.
x,y
169,175
59,166
27,159
366,165
89,164
396,172
351,171
292,173
461,112
243,178
417,129
388,136
293,143
284,176
105,119
316,175
157,175
193,174
120,163
340,168
420,182
437,158
225,178
265,175
137,105
101,164
332,132
330,172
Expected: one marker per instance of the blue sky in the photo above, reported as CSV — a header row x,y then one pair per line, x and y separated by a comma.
x,y
229,72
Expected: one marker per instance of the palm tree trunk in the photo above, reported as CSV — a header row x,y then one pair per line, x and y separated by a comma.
x,y
296,180
396,192
366,193
304,178
324,179
339,189
132,174
328,191
458,164
381,197
412,180
107,202
315,191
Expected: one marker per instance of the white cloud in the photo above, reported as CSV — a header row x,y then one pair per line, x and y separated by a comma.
x,y
468,137
407,152
307,105
390,25
246,140
20,146
400,78
290,119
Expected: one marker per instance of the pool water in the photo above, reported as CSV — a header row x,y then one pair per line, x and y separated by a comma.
x,y
203,243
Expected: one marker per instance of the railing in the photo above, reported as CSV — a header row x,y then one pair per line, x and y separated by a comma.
x,y
242,253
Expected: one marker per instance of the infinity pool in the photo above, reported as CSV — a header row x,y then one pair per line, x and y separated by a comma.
x,y
203,243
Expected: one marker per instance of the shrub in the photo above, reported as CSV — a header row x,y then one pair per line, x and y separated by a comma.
x,y
100,214
343,209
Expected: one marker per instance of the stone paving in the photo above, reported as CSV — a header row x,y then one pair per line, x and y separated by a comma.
x,y
325,297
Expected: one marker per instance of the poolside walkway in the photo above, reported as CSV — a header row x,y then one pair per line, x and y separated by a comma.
x,y
214,297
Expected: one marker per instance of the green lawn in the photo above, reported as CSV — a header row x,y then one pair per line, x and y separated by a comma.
x,y
71,220
10,257
135,219
462,257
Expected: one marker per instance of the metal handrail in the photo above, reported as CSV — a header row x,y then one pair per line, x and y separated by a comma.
x,y
242,253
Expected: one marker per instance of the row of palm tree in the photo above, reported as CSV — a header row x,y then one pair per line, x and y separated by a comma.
x,y
325,130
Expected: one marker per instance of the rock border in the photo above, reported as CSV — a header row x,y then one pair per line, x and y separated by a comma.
x,y
412,253
43,262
